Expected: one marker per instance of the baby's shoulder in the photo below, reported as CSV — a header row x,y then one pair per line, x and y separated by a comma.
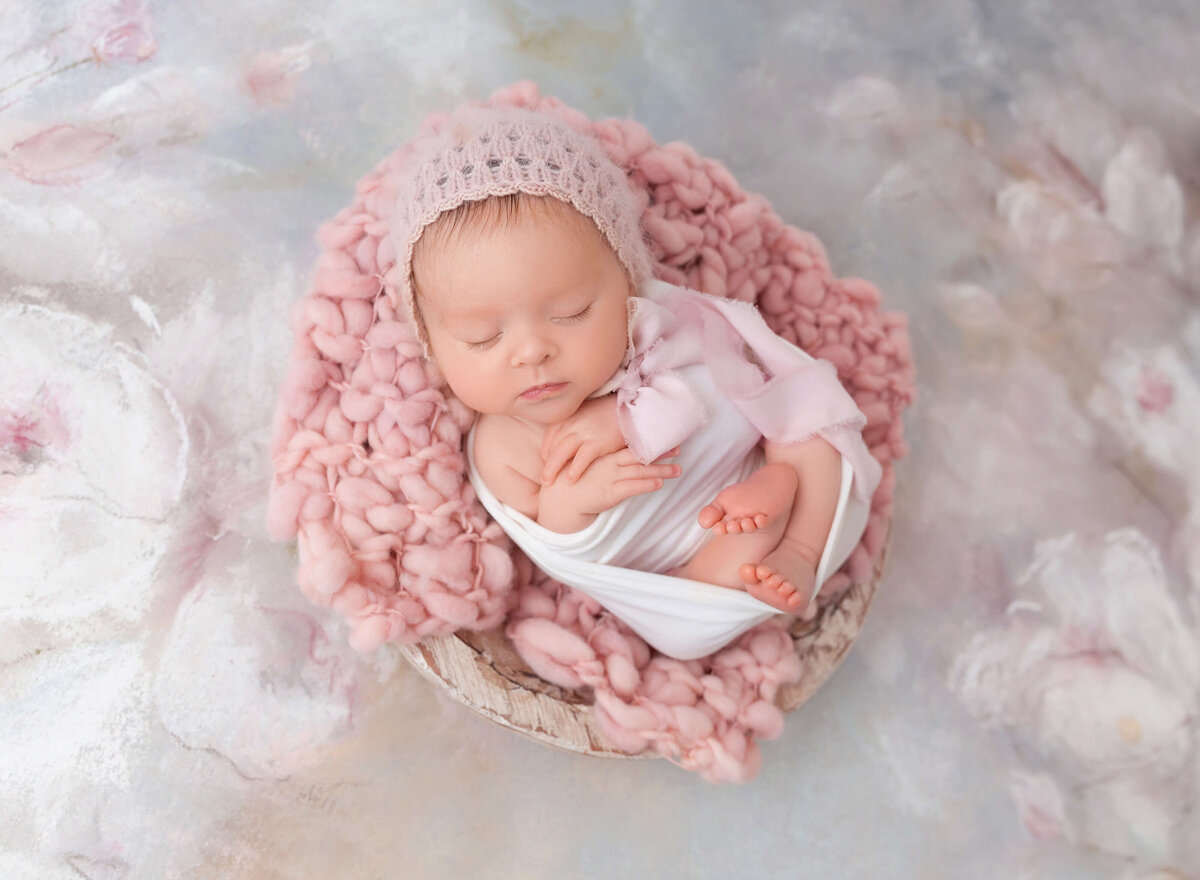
x,y
504,437
508,460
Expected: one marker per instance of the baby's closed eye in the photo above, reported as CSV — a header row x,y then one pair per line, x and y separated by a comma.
x,y
483,344
578,316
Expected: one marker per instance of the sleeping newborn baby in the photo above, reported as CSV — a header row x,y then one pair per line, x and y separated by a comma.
x,y
657,448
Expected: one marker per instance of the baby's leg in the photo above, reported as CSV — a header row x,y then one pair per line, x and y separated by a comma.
x,y
789,569
748,519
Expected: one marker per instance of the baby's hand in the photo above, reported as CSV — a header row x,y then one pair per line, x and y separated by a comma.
x,y
589,434
619,475
567,507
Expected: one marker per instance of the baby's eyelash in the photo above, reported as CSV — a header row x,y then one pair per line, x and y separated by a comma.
x,y
487,343
568,319
578,316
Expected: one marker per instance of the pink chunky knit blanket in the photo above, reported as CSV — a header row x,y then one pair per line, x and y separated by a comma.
x,y
370,475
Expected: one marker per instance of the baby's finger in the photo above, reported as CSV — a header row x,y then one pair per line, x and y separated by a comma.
x,y
627,456
559,456
581,462
623,489
670,453
651,471
548,440
556,436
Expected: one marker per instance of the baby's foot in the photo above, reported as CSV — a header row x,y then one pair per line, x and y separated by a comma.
x,y
762,500
784,579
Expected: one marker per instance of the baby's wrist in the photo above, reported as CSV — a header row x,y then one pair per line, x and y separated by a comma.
x,y
565,522
556,513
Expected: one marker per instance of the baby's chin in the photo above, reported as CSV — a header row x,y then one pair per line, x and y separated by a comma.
x,y
544,413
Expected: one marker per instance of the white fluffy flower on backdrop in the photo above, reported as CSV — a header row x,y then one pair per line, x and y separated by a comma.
x,y
1095,679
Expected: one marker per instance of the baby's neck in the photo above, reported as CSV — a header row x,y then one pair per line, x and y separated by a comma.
x,y
535,430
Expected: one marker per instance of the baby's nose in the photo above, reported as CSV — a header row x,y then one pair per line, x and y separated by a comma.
x,y
533,350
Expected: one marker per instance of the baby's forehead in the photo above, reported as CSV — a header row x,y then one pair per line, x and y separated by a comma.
x,y
453,308
546,254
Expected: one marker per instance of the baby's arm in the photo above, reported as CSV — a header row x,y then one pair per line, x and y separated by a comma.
x,y
577,441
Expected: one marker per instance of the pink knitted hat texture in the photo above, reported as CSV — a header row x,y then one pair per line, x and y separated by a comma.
x,y
493,151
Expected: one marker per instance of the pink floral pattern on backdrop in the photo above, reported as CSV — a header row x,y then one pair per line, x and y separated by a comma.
x,y
1022,180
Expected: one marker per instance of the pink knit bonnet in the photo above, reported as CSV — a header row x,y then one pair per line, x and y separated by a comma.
x,y
493,151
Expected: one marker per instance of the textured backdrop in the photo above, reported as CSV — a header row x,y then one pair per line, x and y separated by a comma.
x,y
1020,179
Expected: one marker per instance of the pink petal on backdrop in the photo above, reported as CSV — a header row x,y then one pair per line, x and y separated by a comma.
x,y
27,431
124,33
49,155
1040,804
272,77
1155,392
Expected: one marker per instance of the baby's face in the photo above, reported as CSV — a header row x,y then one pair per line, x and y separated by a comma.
x,y
527,319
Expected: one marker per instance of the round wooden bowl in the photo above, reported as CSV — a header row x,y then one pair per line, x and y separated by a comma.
x,y
483,672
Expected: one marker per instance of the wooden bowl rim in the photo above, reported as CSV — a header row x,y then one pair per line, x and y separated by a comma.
x,y
484,673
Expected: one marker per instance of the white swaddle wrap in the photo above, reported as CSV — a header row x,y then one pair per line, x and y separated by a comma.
x,y
618,558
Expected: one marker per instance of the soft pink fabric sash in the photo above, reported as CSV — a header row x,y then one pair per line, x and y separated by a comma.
x,y
785,393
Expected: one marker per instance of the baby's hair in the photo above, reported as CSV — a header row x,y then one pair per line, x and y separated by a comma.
x,y
481,216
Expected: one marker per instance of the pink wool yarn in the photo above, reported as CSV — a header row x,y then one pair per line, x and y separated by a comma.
x,y
370,476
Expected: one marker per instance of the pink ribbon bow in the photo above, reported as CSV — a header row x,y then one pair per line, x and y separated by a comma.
x,y
787,395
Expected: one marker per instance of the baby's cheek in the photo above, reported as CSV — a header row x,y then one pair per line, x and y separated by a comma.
x,y
474,390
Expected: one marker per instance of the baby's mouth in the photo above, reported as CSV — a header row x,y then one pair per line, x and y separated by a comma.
x,y
538,391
